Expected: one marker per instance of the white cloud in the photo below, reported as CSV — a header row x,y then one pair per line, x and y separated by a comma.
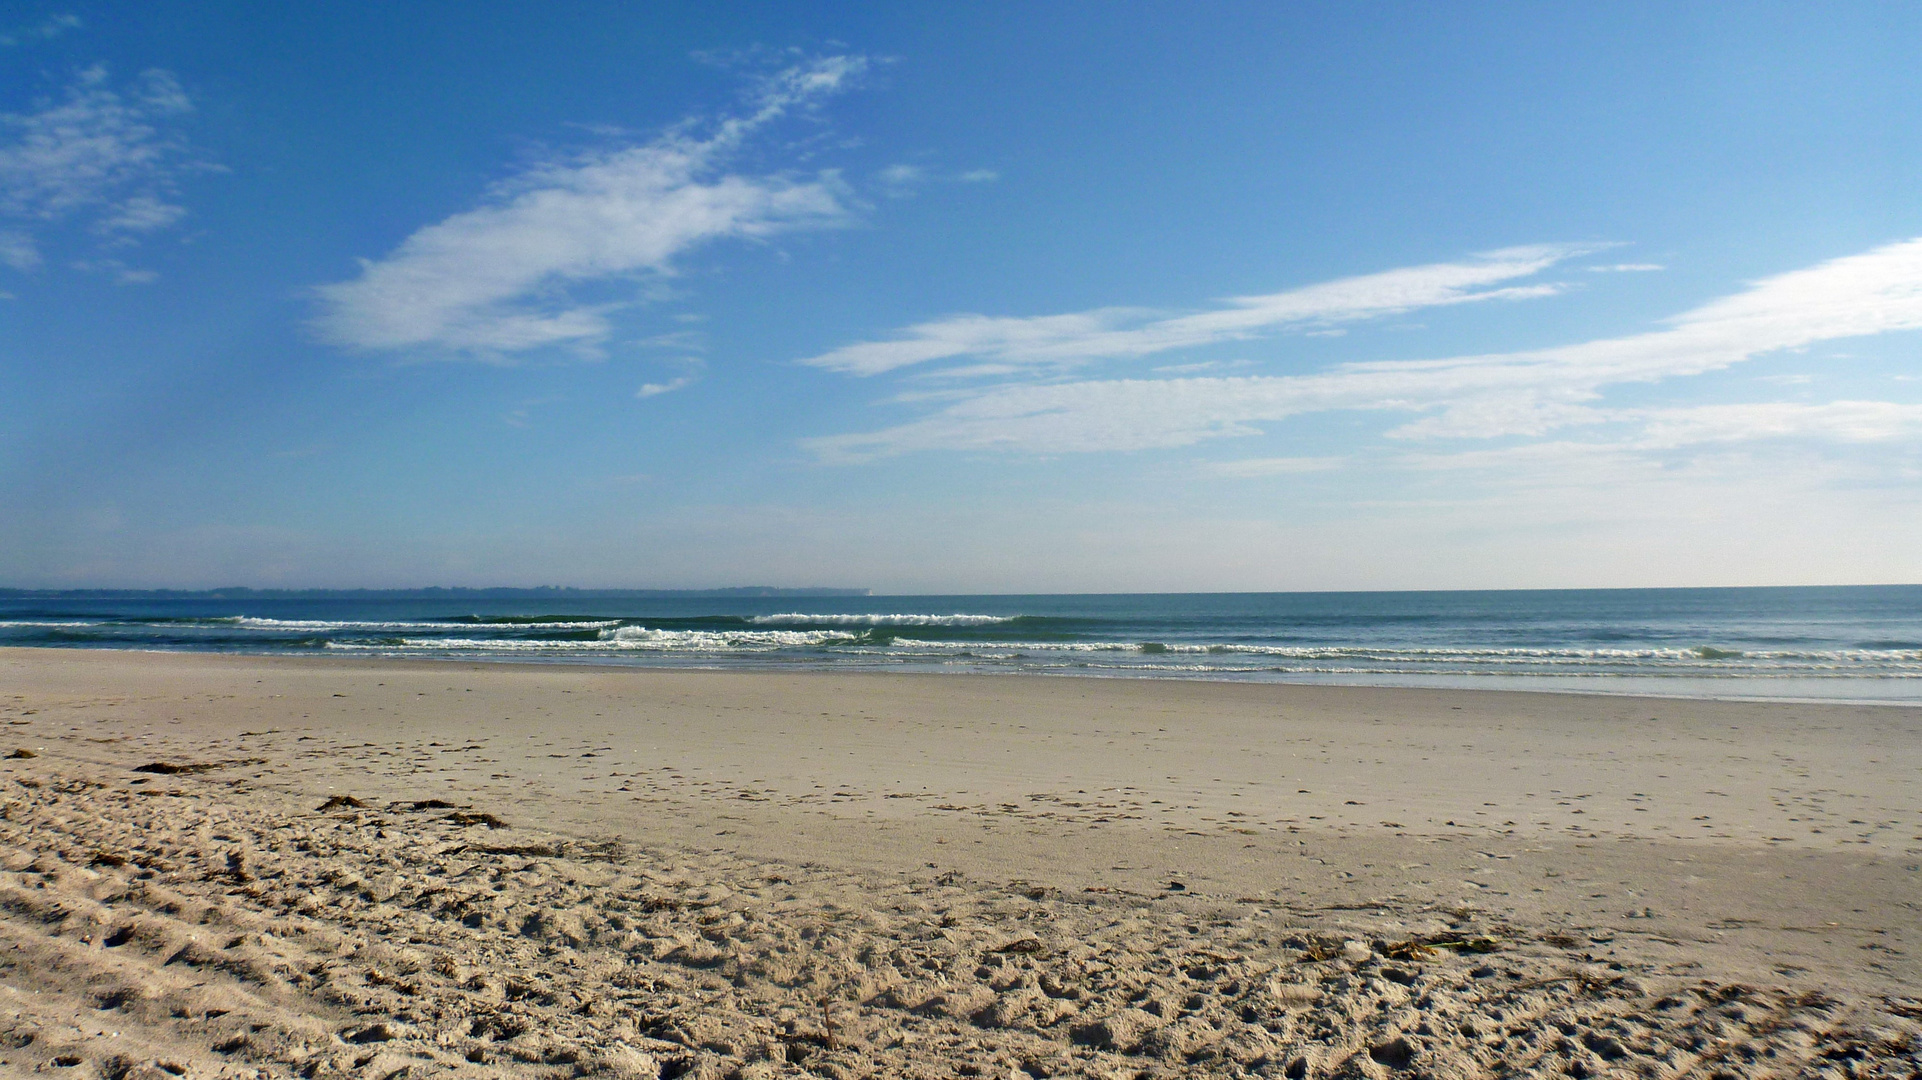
x,y
18,251
1273,466
1105,333
99,151
1525,394
684,340
1698,426
496,280
119,270
649,390
45,30
1841,421
1557,457
142,213
1200,366
1626,268
900,180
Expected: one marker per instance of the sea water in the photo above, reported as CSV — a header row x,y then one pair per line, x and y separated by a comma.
x,y
1861,643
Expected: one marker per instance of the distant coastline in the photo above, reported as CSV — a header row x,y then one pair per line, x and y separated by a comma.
x,y
540,592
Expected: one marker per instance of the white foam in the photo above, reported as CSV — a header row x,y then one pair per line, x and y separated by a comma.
x,y
722,640
852,644
628,638
323,626
1343,659
801,619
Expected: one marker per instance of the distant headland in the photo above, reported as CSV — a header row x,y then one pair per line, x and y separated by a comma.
x,y
241,592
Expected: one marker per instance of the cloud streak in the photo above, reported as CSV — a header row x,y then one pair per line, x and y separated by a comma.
x,y
1528,393
1274,466
111,154
652,389
1839,421
501,279
45,30
998,344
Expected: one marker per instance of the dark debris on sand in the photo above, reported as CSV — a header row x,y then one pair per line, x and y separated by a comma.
x,y
225,936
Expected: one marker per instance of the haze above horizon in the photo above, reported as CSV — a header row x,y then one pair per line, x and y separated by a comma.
x,y
1078,299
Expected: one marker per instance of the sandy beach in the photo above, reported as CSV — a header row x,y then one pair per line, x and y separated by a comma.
x,y
245,866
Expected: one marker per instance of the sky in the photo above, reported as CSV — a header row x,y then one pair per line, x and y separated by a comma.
x,y
997,297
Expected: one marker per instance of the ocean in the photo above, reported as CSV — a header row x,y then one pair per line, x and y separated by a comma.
x,y
1858,643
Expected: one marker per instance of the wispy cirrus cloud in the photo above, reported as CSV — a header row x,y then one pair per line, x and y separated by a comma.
x,y
139,214
18,251
1529,393
45,30
1272,466
100,152
897,178
1840,421
1648,432
500,279
997,344
653,389
900,179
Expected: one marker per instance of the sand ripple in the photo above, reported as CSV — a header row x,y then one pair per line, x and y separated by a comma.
x,y
169,925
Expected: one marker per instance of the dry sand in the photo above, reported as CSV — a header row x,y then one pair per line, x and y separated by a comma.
x,y
409,869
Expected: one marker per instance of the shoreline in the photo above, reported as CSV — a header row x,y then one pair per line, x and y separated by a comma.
x,y
1566,830
1222,678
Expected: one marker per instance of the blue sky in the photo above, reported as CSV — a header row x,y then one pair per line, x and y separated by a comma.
x,y
1010,297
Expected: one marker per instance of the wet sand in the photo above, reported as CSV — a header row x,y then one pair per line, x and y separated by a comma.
x,y
566,871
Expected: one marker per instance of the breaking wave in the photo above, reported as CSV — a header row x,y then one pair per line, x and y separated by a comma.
x,y
800,619
322,626
1167,657
625,638
1835,644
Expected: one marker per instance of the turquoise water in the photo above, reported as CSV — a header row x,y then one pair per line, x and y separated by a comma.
x,y
1819,643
